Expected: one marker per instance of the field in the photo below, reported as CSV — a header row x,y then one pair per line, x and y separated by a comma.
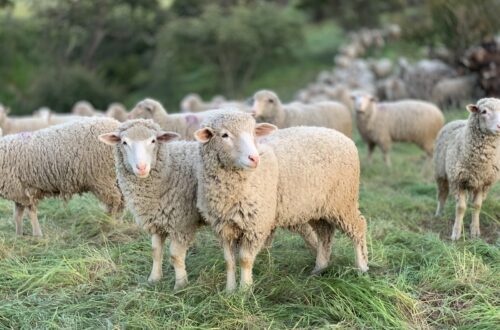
x,y
90,271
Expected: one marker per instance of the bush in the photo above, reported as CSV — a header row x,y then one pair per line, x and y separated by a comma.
x,y
223,48
60,89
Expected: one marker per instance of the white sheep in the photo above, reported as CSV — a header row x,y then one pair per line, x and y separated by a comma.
x,y
159,185
382,123
268,108
467,160
85,109
117,111
58,161
55,118
453,92
245,191
13,125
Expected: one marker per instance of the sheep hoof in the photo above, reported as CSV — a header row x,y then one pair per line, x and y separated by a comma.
x,y
363,268
455,237
318,271
152,279
475,233
181,284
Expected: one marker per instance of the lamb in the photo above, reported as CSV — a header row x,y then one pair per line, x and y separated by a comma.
x,y
85,109
245,192
159,184
467,160
381,124
184,124
117,111
13,125
58,161
268,108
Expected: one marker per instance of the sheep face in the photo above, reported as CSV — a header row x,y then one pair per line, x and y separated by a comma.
x,y
234,140
488,112
362,104
147,109
138,147
265,104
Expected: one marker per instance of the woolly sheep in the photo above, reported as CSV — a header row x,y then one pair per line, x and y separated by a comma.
x,y
381,123
55,118
451,92
184,124
85,109
58,161
159,185
13,125
467,160
244,192
117,111
268,108
381,68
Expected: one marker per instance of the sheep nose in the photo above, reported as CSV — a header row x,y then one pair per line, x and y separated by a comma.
x,y
141,167
254,159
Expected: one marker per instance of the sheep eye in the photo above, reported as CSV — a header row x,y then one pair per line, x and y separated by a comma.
x,y
225,135
153,141
484,112
271,101
124,143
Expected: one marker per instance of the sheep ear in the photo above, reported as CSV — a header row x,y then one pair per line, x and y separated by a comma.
x,y
203,135
472,108
110,138
264,129
165,137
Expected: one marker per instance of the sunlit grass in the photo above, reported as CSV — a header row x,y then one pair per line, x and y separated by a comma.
x,y
90,271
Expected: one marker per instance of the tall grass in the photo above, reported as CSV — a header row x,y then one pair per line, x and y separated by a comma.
x,y
90,271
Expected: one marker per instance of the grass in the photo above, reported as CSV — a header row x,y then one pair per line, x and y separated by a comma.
x,y
90,271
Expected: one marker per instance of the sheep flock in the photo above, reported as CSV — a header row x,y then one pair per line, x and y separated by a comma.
x,y
246,168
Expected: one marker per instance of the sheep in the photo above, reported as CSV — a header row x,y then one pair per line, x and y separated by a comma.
x,y
380,124
381,68
451,92
85,109
268,108
245,191
193,103
117,111
391,89
55,118
159,185
467,160
184,124
13,125
58,161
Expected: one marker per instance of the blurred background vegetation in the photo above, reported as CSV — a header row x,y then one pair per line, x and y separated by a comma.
x,y
55,52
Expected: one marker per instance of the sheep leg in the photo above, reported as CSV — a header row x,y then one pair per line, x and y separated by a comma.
x,y
37,231
324,232
308,234
360,245
18,217
459,214
477,202
157,243
371,148
248,253
229,248
443,190
178,251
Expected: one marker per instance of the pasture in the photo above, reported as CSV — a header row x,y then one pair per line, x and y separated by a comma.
x,y
89,271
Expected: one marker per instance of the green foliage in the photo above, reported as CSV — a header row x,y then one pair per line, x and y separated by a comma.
x,y
456,24
351,14
60,89
225,47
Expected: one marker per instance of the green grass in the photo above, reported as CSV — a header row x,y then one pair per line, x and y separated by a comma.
x,y
90,272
